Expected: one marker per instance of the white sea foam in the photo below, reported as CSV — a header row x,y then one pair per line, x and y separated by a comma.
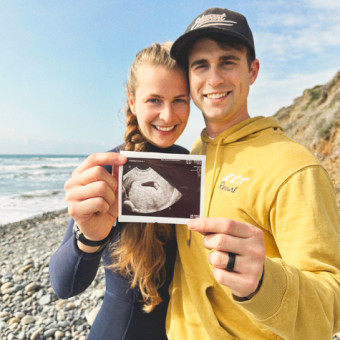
x,y
32,185
17,208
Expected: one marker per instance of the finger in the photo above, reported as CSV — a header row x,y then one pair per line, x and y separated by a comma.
x,y
91,190
223,242
240,285
220,259
221,225
105,158
86,208
93,174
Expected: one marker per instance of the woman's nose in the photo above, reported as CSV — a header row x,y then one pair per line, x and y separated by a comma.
x,y
166,113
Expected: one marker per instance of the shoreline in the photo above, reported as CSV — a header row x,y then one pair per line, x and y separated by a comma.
x,y
29,308
48,215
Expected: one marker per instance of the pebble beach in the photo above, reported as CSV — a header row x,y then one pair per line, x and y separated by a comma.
x,y
29,308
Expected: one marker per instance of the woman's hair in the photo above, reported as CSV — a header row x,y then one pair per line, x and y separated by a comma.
x,y
156,54
138,253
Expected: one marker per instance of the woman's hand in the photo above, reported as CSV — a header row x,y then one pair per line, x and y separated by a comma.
x,y
91,195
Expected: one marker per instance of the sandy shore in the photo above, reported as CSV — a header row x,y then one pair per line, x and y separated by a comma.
x,y
29,309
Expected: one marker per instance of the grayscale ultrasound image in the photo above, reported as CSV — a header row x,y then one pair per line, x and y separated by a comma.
x,y
146,191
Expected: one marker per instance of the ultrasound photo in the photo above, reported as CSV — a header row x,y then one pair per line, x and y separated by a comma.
x,y
164,188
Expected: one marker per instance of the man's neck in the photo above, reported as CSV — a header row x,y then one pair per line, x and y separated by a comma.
x,y
215,129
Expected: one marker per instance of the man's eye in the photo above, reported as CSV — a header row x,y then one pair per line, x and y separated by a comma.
x,y
227,63
201,66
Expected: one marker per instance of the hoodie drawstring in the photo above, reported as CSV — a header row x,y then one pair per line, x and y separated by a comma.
x,y
213,182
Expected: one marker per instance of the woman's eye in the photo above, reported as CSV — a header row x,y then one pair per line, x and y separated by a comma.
x,y
154,100
180,100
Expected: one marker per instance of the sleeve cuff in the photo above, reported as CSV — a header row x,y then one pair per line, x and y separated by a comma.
x,y
268,300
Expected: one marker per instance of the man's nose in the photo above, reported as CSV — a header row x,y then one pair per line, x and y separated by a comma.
x,y
215,77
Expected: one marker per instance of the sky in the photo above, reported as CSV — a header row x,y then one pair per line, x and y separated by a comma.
x,y
64,64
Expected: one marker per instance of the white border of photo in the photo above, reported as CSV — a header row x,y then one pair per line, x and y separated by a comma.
x,y
161,157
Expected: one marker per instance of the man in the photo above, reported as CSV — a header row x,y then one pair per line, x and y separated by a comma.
x,y
265,261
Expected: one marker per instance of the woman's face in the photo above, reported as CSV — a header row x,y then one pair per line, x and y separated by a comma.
x,y
161,103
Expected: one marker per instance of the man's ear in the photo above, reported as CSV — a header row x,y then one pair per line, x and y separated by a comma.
x,y
132,104
254,70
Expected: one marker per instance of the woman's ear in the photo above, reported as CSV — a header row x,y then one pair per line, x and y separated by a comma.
x,y
132,104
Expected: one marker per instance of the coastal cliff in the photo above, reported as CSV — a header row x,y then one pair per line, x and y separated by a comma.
x,y
313,120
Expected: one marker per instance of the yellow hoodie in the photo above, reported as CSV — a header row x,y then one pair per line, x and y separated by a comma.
x,y
255,174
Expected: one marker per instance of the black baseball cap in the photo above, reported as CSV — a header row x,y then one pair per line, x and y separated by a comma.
x,y
219,22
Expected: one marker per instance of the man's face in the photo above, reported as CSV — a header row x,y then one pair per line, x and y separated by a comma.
x,y
219,83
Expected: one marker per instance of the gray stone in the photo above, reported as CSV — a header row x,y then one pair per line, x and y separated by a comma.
x,y
45,299
27,319
50,332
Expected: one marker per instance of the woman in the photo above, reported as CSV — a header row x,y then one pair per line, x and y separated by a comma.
x,y
138,258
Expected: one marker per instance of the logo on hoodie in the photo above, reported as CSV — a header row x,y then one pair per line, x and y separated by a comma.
x,y
232,182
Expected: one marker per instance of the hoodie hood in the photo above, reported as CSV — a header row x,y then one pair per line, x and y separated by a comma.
x,y
236,136
242,131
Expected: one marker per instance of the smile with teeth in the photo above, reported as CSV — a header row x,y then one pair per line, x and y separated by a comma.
x,y
216,95
165,128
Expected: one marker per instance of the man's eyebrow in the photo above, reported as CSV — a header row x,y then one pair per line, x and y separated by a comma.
x,y
222,58
198,62
230,57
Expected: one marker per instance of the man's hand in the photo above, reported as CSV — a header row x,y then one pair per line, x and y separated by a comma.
x,y
91,194
223,235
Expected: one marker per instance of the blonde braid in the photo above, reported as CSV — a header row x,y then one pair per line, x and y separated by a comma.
x,y
134,140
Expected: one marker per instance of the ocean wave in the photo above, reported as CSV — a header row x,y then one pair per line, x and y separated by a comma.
x,y
24,167
18,207
30,185
36,194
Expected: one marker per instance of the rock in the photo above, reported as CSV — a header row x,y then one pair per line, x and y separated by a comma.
x,y
10,290
13,326
58,334
19,315
45,299
91,316
60,304
3,314
35,334
13,320
29,308
27,319
25,268
33,286
50,332
6,285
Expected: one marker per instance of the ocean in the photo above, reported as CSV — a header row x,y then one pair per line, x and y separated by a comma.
x,y
33,184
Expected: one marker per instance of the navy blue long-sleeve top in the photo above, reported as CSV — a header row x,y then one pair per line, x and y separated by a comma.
x,y
121,315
